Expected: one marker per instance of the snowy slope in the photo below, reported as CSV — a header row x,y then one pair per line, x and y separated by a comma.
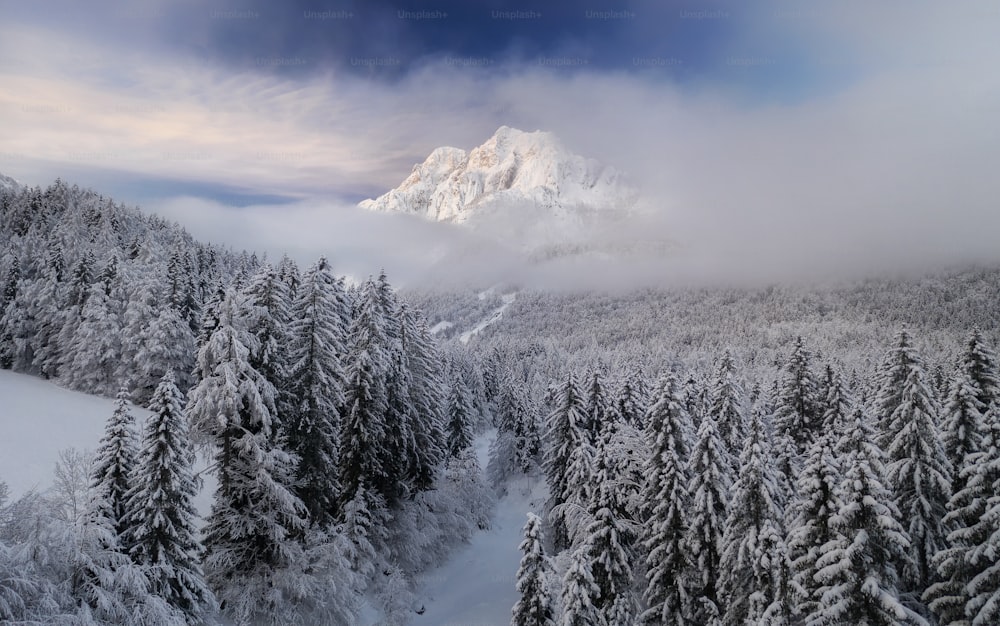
x,y
491,319
512,168
476,586
9,184
39,418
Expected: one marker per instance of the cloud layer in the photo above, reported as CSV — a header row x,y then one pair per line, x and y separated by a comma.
x,y
865,137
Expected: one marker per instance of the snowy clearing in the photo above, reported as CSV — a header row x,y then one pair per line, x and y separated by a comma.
x,y
492,318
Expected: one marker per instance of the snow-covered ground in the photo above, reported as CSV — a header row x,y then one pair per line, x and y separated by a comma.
x,y
492,318
39,418
476,586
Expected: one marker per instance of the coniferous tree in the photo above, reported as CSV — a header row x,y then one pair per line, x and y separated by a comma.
x,y
596,407
427,449
97,345
710,484
798,412
961,425
961,596
114,463
459,432
316,382
161,517
857,570
918,469
630,403
579,591
667,504
249,536
979,362
809,530
565,432
364,428
726,407
754,579
534,606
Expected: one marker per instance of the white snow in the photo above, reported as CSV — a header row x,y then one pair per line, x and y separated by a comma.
x,y
490,319
476,586
441,327
40,418
511,167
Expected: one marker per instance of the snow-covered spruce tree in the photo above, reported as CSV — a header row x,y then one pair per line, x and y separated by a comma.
x,y
459,431
709,489
162,531
107,586
979,362
666,502
798,412
315,385
809,526
565,431
97,345
165,345
364,429
918,469
596,407
535,604
579,591
630,403
427,448
250,550
754,566
726,406
970,550
517,442
114,463
609,541
857,570
961,425
574,512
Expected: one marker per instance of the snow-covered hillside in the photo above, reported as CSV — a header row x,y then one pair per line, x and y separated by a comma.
x,y
511,168
40,419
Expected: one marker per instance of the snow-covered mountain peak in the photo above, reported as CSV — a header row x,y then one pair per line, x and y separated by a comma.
x,y
512,168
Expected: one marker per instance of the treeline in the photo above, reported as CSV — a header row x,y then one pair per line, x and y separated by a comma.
x,y
822,499
340,438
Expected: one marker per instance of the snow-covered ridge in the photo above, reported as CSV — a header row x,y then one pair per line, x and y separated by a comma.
x,y
512,167
9,184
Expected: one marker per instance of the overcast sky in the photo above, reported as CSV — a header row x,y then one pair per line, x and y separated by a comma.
x,y
831,132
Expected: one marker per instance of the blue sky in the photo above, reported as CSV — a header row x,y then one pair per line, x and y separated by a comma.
x,y
821,127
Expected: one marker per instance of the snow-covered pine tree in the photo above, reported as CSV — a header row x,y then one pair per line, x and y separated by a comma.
x,y
579,591
249,535
316,380
609,540
971,551
596,407
918,469
815,503
754,566
535,605
630,404
97,345
709,488
726,406
979,362
798,412
427,448
857,570
166,345
162,531
459,433
666,503
114,464
517,443
364,429
961,424
565,431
